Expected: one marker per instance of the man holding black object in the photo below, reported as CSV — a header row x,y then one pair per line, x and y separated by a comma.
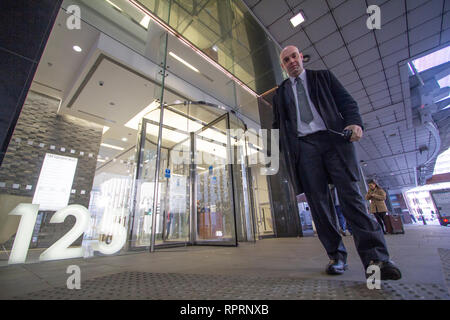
x,y
318,121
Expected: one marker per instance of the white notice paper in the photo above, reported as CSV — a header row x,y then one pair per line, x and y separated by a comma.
x,y
55,182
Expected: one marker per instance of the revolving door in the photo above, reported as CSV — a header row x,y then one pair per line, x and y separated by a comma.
x,y
202,187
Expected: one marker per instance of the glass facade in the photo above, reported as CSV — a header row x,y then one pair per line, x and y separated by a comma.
x,y
130,139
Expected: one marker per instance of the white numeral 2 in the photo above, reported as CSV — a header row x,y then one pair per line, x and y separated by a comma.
x,y
60,249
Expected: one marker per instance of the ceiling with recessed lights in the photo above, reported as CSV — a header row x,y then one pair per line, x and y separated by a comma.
x,y
371,64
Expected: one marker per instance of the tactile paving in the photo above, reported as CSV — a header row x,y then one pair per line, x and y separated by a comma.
x,y
176,286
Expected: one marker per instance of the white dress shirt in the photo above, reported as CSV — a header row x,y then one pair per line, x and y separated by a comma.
x,y
317,123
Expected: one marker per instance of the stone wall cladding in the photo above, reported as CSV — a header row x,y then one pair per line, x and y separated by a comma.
x,y
41,130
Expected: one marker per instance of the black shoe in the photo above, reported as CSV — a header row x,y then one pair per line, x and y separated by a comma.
x,y
336,267
388,270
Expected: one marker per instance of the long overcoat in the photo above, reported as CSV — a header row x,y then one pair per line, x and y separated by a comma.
x,y
337,109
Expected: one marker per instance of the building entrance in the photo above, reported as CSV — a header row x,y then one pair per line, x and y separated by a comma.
x,y
201,185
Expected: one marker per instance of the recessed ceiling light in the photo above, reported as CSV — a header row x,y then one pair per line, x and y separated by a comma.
x,y
77,48
215,48
297,19
124,139
145,21
114,5
183,62
111,146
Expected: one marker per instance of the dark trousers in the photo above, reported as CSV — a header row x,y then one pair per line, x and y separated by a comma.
x,y
380,218
318,163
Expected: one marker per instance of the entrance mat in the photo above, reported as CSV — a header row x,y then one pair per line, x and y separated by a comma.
x,y
175,286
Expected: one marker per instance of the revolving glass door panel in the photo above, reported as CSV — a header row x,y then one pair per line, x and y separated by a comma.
x,y
144,188
215,221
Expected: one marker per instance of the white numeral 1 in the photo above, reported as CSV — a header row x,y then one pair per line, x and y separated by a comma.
x,y
28,213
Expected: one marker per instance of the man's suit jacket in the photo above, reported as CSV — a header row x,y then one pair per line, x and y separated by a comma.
x,y
337,109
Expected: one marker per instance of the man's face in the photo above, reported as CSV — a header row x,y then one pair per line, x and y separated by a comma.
x,y
372,186
291,61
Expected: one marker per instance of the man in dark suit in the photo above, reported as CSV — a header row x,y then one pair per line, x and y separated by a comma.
x,y
310,109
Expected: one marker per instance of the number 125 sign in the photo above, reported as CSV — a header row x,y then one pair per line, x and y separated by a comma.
x,y
60,249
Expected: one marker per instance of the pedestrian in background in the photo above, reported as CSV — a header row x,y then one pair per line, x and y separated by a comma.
x,y
377,196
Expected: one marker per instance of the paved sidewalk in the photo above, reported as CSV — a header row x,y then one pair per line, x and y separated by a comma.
x,y
285,268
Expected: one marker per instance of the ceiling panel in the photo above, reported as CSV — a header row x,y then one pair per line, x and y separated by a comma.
x,y
343,68
370,69
337,57
349,78
316,65
269,11
383,102
362,44
349,11
373,79
366,58
425,12
394,45
425,30
445,36
355,30
335,3
329,44
251,3
313,9
395,58
311,51
391,30
425,45
382,86
355,87
446,22
392,10
321,28
395,89
394,81
391,71
397,97
282,28
300,39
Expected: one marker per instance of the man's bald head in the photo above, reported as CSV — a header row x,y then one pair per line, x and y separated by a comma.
x,y
291,61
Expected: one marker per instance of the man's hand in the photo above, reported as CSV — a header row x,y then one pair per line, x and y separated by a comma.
x,y
357,132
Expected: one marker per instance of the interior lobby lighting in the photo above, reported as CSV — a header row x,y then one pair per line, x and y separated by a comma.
x,y
115,6
77,48
297,19
145,21
124,139
105,128
215,48
111,146
133,123
183,62
101,160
